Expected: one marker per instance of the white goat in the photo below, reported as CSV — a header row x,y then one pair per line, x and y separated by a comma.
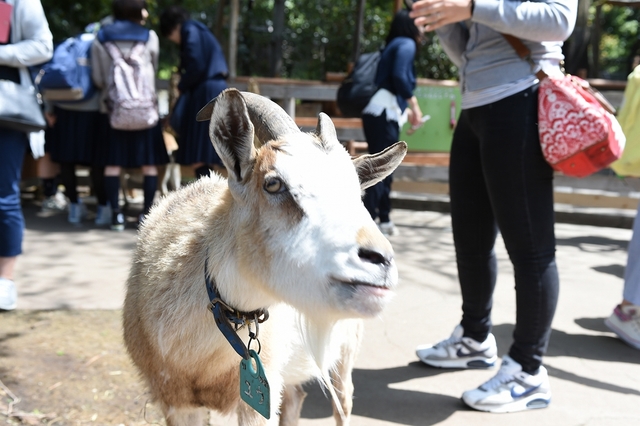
x,y
287,231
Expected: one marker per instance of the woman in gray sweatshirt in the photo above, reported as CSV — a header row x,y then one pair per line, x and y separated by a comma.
x,y
500,182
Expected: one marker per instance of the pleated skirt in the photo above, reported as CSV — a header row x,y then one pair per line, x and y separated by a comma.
x,y
194,145
75,137
130,149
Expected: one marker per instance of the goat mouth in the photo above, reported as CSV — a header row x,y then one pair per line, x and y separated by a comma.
x,y
374,288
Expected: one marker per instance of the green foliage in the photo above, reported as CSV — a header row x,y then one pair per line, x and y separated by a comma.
x,y
620,40
318,35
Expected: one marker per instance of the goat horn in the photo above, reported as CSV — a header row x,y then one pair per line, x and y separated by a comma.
x,y
269,119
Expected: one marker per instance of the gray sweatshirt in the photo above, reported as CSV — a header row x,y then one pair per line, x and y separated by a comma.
x,y
31,39
485,59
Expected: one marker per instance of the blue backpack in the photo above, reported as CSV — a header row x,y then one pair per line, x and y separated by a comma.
x,y
67,77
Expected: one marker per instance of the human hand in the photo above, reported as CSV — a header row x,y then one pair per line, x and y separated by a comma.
x,y
51,118
433,14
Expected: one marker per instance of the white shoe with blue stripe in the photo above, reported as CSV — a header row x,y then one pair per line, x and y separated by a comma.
x,y
510,390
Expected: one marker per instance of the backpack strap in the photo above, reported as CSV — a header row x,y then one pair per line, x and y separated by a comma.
x,y
113,50
138,48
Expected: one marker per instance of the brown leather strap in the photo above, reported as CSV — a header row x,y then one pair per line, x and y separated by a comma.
x,y
523,51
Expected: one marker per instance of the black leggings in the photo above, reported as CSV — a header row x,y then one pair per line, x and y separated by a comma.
x,y
380,134
500,182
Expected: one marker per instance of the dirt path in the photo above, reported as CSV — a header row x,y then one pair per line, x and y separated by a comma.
x,y
69,368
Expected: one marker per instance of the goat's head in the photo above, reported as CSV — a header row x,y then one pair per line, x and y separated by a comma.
x,y
307,237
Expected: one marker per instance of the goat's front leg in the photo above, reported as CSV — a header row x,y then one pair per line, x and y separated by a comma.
x,y
247,416
184,416
291,405
341,374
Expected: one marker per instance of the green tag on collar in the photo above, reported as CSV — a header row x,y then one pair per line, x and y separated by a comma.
x,y
254,387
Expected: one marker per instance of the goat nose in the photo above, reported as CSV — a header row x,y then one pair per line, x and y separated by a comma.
x,y
372,256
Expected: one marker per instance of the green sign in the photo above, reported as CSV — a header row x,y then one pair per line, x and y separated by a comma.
x,y
440,101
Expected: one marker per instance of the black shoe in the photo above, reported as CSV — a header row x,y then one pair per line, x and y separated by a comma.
x,y
117,221
141,218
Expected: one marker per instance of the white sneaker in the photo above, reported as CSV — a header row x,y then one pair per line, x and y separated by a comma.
x,y
103,215
460,352
77,212
8,295
511,389
54,203
625,322
388,228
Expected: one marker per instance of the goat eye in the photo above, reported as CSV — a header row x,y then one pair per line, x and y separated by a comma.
x,y
273,185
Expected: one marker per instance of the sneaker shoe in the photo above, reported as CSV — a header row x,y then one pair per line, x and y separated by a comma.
x,y
54,203
511,389
625,322
388,229
77,212
460,352
8,295
103,215
117,222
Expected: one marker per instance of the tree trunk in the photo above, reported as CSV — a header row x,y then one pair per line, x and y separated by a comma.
x,y
275,65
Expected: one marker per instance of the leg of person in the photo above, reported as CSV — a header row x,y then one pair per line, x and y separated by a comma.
x,y
201,170
520,186
103,209
77,210
380,134
387,227
625,319
471,344
48,171
14,146
150,186
112,189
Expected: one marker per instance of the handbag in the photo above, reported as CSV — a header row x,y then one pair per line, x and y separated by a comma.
x,y
579,133
20,108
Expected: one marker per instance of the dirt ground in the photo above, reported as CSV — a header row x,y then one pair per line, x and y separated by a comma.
x,y
69,368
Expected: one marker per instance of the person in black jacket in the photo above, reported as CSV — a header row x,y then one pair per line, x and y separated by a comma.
x,y
203,73
390,107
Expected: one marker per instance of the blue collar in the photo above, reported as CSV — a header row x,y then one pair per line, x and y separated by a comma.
x,y
224,316
123,31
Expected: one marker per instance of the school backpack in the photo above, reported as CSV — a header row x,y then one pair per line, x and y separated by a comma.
x,y
359,86
67,76
131,97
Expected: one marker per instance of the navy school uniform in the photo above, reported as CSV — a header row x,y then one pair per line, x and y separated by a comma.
x,y
203,76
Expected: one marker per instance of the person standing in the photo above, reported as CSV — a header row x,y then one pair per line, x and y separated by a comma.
x,y
390,107
29,43
625,318
203,74
128,148
74,136
500,183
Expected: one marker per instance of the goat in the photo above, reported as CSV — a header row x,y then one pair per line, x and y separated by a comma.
x,y
286,231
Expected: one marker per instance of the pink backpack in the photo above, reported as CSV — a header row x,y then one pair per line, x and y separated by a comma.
x,y
131,97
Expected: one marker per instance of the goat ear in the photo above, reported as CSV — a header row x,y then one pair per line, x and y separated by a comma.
x,y
372,168
326,131
231,132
